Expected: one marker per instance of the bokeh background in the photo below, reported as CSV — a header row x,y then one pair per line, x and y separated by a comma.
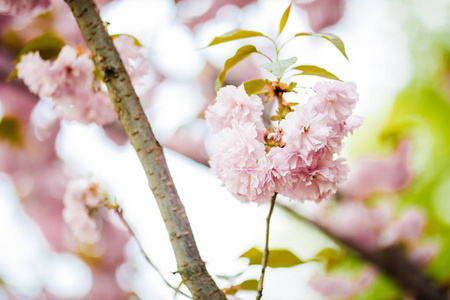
x,y
399,56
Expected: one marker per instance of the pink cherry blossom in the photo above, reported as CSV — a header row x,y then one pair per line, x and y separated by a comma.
x,y
241,164
303,166
335,99
422,255
322,13
358,224
133,57
340,288
73,73
24,7
305,130
35,73
80,200
385,175
234,105
407,228
68,81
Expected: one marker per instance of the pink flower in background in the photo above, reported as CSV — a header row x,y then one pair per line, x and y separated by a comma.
x,y
68,81
72,73
335,99
422,255
133,57
322,13
24,7
386,175
80,201
358,224
35,73
234,105
340,288
408,228
86,108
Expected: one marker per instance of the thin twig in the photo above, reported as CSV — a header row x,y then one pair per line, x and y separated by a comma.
x,y
392,261
132,116
266,248
119,212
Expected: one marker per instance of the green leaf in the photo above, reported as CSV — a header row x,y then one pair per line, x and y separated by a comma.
x,y
336,41
284,18
10,131
254,86
278,258
233,35
315,71
249,285
241,53
329,256
136,41
48,45
278,67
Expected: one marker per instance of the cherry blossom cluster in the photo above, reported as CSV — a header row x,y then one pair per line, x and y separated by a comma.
x,y
70,82
303,166
81,200
24,7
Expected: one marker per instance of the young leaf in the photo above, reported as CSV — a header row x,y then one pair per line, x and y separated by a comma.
x,y
315,71
336,41
48,45
284,18
278,258
249,285
241,53
233,35
278,67
136,41
254,86
254,255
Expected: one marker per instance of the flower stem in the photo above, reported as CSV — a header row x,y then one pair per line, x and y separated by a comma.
x,y
119,212
266,248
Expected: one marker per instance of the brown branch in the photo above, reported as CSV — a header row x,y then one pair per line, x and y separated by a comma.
x,y
392,261
119,212
266,248
123,96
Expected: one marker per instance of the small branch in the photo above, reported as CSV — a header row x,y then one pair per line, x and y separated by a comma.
x,y
135,123
266,248
392,261
119,212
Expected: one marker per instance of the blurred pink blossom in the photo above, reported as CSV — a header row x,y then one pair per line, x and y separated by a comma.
x,y
385,175
133,57
372,228
422,255
24,7
322,13
69,82
80,201
340,288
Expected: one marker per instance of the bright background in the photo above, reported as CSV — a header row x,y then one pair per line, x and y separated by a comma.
x,y
393,47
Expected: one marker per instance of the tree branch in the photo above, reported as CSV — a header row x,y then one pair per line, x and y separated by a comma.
x,y
119,212
392,261
126,103
266,248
